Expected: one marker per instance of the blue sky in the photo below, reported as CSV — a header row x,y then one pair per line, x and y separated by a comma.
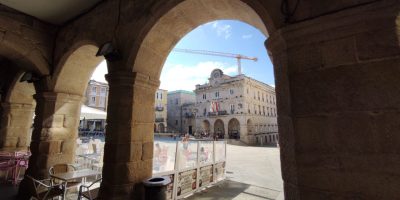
x,y
184,70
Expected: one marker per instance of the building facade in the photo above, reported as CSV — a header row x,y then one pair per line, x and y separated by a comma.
x,y
97,95
237,107
160,106
178,103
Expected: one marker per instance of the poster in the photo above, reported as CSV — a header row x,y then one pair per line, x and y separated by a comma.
x,y
206,175
186,182
219,171
170,188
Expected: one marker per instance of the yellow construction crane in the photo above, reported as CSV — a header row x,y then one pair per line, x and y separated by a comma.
x,y
222,54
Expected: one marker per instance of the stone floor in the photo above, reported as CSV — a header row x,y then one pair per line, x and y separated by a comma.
x,y
252,173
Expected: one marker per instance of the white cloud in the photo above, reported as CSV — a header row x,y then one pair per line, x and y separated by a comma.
x,y
223,30
248,36
180,77
100,71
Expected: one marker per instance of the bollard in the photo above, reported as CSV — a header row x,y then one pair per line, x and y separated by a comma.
x,y
155,188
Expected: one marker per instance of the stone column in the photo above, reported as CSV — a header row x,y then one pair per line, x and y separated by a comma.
x,y
337,80
16,123
54,134
128,150
226,126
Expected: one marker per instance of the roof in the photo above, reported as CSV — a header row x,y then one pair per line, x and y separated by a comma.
x,y
92,113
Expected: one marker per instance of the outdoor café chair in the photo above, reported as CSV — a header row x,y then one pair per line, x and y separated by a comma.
x,y
44,189
88,192
21,161
63,168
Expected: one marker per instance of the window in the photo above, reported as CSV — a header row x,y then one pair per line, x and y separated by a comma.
x,y
176,122
259,109
258,94
255,109
231,91
157,94
217,94
232,107
160,95
101,101
263,110
268,111
93,89
204,112
263,97
103,91
93,100
176,101
247,90
204,96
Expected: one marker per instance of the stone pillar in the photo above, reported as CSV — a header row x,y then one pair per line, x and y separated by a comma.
x,y
337,80
54,134
16,123
128,149
226,127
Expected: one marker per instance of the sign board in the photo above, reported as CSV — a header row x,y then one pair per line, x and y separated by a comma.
x,y
219,171
186,182
170,188
206,175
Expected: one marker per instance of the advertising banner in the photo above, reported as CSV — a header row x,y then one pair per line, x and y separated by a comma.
x,y
186,182
206,175
219,171
170,188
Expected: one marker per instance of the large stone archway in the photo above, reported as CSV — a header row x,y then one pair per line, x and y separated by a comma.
x,y
234,129
17,115
59,100
180,20
219,128
336,67
206,126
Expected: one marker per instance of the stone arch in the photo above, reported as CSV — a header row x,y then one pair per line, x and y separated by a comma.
x,y
183,18
17,114
75,69
206,126
161,127
31,53
219,128
234,128
20,92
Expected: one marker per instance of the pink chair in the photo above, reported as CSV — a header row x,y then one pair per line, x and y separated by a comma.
x,y
21,161
6,163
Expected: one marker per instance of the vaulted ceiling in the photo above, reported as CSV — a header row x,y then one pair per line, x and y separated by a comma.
x,y
54,12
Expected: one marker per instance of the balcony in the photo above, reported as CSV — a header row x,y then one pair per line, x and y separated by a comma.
x,y
189,115
222,112
159,108
161,119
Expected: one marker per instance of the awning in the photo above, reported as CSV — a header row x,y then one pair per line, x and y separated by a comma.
x,y
92,113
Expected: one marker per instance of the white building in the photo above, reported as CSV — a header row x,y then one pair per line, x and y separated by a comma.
x,y
237,107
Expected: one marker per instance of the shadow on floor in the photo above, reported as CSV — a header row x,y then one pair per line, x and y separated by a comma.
x,y
228,189
8,191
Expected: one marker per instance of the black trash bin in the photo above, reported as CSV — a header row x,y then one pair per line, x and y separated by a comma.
x,y
155,188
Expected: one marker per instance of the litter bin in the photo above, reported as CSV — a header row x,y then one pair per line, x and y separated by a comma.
x,y
156,187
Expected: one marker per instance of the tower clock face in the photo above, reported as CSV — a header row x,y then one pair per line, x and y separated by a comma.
x,y
216,74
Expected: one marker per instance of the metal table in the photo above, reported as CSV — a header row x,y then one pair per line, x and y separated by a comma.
x,y
78,174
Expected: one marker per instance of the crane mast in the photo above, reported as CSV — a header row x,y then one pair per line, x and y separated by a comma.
x,y
221,54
